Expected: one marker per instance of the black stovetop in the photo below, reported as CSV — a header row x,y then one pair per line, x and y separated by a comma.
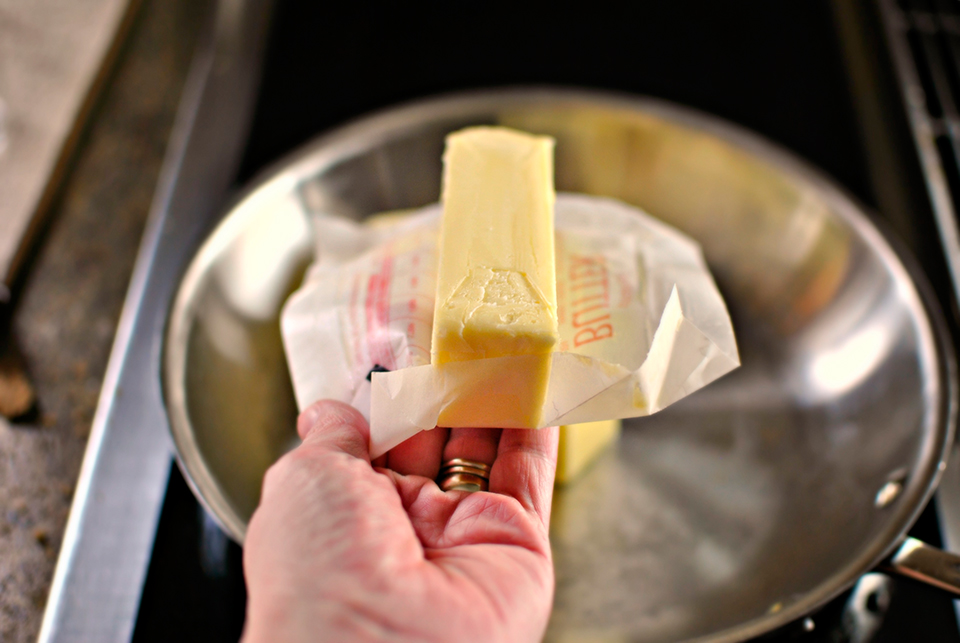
x,y
774,67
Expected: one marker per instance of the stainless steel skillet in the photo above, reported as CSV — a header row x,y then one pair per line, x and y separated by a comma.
x,y
736,511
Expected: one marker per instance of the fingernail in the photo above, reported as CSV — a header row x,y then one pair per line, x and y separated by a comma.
x,y
309,418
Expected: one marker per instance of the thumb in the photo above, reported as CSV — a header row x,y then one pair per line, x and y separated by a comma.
x,y
335,426
325,519
324,496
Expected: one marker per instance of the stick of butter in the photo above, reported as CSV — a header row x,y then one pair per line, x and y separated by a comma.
x,y
496,281
581,444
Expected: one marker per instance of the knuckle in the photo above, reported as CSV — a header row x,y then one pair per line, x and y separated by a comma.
x,y
333,416
293,469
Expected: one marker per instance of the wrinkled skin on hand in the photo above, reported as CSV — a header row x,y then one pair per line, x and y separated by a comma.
x,y
342,550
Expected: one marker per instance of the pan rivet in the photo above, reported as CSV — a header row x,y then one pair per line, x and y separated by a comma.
x,y
808,624
888,493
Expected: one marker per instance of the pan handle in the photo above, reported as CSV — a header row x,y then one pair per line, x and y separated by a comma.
x,y
919,561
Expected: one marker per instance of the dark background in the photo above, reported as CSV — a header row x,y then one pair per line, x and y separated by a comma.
x,y
772,66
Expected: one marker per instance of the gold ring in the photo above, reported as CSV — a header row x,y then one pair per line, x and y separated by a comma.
x,y
459,474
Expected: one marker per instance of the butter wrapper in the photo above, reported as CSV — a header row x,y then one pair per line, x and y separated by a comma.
x,y
641,321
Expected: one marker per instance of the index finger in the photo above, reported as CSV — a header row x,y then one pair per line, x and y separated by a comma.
x,y
525,467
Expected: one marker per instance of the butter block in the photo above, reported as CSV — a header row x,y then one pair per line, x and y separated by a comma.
x,y
581,444
388,218
496,281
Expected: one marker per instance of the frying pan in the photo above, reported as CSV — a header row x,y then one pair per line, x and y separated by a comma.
x,y
739,509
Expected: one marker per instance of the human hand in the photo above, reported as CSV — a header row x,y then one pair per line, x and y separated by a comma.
x,y
339,550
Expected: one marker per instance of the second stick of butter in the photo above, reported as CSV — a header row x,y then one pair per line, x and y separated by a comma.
x,y
496,281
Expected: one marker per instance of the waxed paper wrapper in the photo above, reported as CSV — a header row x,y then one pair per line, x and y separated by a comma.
x,y
641,321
